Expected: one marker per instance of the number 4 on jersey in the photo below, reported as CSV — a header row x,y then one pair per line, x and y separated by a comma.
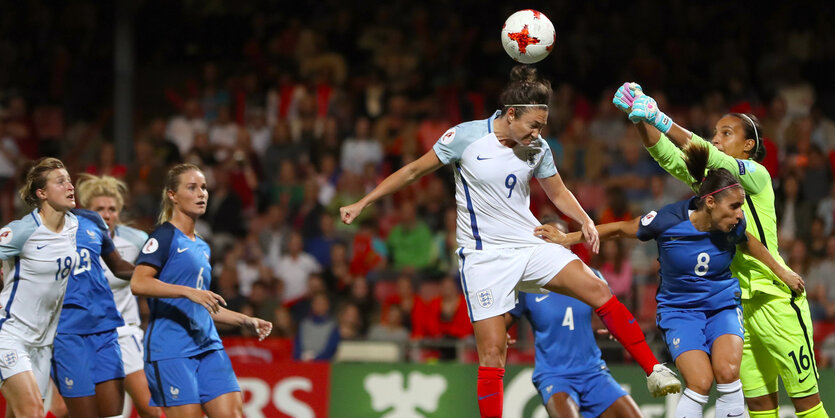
x,y
568,319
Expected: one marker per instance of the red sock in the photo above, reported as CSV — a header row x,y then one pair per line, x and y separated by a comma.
x,y
490,391
49,414
625,329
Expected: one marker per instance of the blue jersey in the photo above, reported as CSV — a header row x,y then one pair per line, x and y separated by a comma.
x,y
563,335
695,265
178,327
88,304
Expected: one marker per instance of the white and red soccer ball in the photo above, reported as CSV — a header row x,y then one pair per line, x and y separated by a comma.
x,y
528,36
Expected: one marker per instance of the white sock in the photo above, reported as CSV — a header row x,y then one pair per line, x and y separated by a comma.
x,y
730,402
691,405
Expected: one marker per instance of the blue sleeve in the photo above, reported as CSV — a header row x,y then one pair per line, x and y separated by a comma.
x,y
546,167
330,349
521,306
155,251
14,235
649,227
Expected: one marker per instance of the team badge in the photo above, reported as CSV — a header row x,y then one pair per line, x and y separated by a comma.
x,y
91,233
150,246
485,298
447,137
9,358
6,235
175,392
68,382
647,219
531,157
676,342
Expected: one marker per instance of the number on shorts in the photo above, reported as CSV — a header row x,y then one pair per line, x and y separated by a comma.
x,y
568,319
83,262
200,279
701,264
510,183
804,361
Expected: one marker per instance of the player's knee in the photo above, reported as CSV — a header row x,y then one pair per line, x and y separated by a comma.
x,y
727,373
149,412
28,408
700,384
597,291
492,355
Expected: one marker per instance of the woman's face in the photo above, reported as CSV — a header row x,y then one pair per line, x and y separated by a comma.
x,y
192,195
58,191
726,211
108,208
526,126
729,137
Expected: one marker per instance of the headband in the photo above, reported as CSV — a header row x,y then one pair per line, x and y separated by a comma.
x,y
526,105
756,135
717,191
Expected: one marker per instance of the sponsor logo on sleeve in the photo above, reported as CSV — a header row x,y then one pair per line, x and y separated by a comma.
x,y
6,235
647,219
448,136
150,246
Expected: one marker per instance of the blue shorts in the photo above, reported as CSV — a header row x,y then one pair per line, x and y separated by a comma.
x,y
697,330
190,380
80,362
594,392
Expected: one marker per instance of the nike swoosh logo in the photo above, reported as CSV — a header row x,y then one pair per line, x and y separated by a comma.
x,y
180,250
541,298
487,396
804,379
479,158
41,246
736,415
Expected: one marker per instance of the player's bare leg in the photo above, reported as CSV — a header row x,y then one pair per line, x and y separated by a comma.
x,y
560,405
726,357
227,405
110,397
193,410
137,387
491,343
23,396
694,366
624,407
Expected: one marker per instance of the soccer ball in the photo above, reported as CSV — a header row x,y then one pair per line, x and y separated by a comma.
x,y
528,36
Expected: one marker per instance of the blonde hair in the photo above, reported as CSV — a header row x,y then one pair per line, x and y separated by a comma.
x,y
89,187
36,179
172,182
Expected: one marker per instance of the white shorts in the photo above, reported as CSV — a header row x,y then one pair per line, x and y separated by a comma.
x,y
491,278
133,352
18,357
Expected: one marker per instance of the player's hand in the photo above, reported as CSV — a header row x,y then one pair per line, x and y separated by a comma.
x,y
793,281
645,109
625,96
208,299
350,212
604,331
261,327
591,235
550,233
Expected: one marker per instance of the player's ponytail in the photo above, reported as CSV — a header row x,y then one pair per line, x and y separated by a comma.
x,y
36,179
172,182
89,187
753,130
715,183
526,88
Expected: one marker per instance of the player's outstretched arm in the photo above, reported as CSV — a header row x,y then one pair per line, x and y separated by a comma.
x,y
120,267
612,230
144,283
261,327
424,165
565,201
756,249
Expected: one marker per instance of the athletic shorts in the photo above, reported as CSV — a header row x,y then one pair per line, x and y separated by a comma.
x,y
190,380
491,278
18,357
697,330
80,362
778,343
133,352
593,392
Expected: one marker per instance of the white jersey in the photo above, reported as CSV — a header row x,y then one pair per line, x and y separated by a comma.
x,y
128,242
492,190
36,265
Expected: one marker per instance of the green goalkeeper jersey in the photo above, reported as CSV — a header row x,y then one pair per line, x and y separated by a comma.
x,y
761,219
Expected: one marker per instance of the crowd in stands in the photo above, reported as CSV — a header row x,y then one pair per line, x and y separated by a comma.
x,y
292,116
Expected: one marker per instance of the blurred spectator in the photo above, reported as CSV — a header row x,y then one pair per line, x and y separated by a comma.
x,y
360,148
263,298
280,150
301,308
410,241
319,245
369,251
632,170
223,134
287,190
820,285
224,212
614,265
350,322
165,150
273,234
318,334
283,323
181,128
9,161
294,268
390,328
826,210
260,131
617,206
105,163
453,319
793,211
361,296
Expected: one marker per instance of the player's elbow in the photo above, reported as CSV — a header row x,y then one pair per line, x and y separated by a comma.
x,y
136,285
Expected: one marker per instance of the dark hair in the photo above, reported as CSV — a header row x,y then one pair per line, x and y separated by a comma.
x,y
36,179
525,87
695,157
753,130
